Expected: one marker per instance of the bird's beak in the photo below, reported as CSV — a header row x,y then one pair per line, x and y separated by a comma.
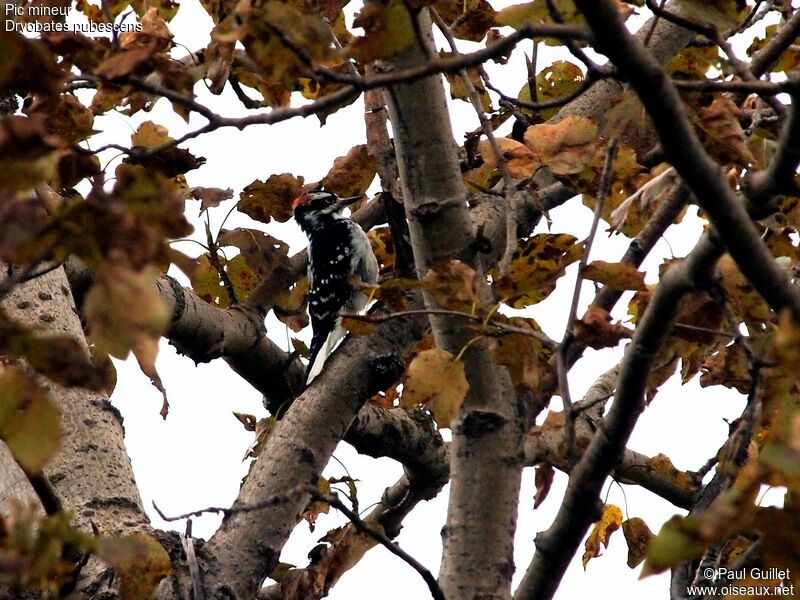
x,y
350,200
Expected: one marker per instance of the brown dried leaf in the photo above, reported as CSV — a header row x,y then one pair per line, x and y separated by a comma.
x,y
316,507
723,135
566,147
525,357
454,285
125,313
270,199
210,197
352,173
637,535
729,367
262,253
543,479
520,161
597,330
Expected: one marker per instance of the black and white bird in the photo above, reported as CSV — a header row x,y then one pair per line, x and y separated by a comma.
x,y
338,250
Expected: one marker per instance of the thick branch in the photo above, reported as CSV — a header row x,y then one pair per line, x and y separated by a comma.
x,y
485,458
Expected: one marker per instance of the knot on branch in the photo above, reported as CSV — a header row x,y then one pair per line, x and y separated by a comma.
x,y
426,211
477,423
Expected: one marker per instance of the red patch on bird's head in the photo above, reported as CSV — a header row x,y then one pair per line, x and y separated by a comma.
x,y
301,199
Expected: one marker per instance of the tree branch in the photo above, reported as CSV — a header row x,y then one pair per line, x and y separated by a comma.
x,y
485,457
581,505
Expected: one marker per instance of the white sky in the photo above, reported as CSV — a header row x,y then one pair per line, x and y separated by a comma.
x,y
193,459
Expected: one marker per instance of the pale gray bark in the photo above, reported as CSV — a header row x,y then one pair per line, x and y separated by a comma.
x,y
486,451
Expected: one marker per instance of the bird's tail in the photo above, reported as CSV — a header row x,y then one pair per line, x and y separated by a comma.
x,y
321,349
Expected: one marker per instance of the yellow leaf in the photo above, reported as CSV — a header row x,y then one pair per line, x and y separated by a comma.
x,y
617,276
678,540
140,562
388,30
435,380
520,161
150,135
29,422
609,522
126,313
535,267
358,325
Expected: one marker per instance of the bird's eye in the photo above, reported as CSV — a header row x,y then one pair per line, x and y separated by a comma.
x,y
331,199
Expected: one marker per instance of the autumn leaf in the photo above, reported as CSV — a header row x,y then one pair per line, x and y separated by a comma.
x,y
637,535
125,313
617,276
210,197
27,65
291,305
62,360
454,285
566,147
526,357
459,90
722,133
555,81
387,31
678,540
71,121
520,161
635,211
609,522
543,479
317,507
597,330
140,563
29,422
261,252
270,199
472,19
150,135
352,173
722,14
535,267
729,367
358,325
437,381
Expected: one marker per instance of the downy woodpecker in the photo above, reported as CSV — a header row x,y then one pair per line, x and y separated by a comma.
x,y
338,249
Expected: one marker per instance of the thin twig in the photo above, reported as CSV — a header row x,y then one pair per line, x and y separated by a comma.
x,y
562,356
393,547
